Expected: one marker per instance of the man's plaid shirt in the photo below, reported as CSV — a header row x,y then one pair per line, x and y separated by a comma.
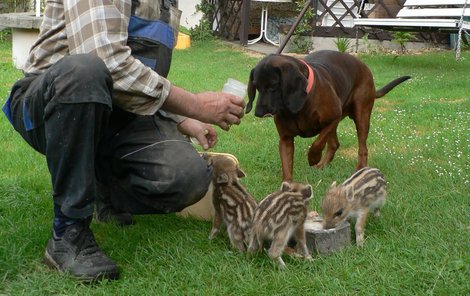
x,y
99,27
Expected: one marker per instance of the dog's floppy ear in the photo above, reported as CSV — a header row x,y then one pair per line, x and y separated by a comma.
x,y
251,91
294,86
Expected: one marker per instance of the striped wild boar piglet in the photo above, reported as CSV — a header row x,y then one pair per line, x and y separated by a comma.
x,y
233,205
361,193
279,217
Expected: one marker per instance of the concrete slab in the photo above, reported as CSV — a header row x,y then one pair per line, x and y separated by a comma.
x,y
261,47
20,20
321,43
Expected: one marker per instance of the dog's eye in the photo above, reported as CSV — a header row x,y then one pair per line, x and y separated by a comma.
x,y
339,213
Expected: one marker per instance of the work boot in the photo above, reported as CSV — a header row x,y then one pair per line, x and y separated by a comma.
x,y
105,211
77,253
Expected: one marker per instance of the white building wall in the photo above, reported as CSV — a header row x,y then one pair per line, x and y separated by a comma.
x,y
190,17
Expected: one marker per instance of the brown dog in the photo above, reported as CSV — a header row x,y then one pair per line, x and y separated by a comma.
x,y
308,100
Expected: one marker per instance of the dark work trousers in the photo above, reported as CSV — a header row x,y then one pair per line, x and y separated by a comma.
x,y
144,162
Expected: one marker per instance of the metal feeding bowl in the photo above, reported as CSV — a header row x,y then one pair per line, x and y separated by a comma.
x,y
326,241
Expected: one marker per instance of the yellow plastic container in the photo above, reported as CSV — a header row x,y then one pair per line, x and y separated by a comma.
x,y
183,42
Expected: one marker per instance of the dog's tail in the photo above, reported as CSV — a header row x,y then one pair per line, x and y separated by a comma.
x,y
384,90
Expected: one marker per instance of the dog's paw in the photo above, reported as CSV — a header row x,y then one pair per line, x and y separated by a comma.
x,y
314,158
313,162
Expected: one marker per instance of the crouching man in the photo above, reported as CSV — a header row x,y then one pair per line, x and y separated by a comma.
x,y
96,102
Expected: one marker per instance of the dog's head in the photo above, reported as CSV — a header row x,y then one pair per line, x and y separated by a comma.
x,y
280,85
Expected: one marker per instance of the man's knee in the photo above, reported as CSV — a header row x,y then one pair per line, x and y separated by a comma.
x,y
83,65
195,182
169,188
188,182
82,78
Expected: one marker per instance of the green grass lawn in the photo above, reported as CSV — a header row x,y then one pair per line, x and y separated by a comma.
x,y
419,138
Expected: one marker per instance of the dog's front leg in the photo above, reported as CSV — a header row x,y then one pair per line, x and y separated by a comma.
x,y
315,151
332,147
362,128
286,151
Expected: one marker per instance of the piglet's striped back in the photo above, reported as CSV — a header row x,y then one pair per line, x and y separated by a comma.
x,y
366,180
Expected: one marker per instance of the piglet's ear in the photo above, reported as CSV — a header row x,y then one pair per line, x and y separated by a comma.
x,y
207,158
222,179
240,173
285,186
251,91
307,192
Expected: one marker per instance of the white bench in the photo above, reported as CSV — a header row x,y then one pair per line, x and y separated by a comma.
x,y
24,31
424,15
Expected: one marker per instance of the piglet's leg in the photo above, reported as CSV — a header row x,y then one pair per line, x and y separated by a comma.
x,y
302,242
360,227
377,212
277,247
236,238
253,246
216,223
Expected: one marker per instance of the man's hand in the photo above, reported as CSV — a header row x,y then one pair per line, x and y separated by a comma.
x,y
217,108
203,132
221,108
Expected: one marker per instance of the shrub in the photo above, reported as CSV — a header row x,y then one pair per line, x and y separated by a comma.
x,y
203,31
343,44
402,38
